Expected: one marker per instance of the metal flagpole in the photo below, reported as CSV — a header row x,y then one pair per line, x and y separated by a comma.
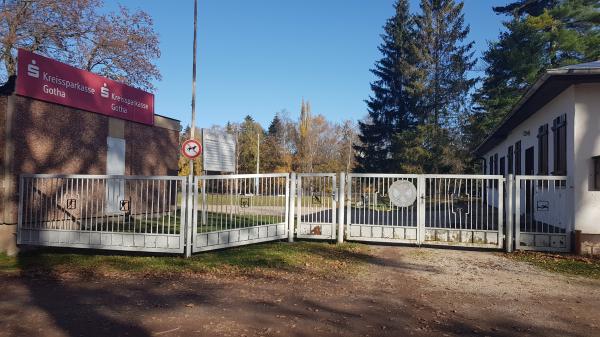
x,y
193,127
191,208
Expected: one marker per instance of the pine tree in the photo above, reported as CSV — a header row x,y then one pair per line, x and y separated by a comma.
x,y
541,34
388,111
273,155
438,88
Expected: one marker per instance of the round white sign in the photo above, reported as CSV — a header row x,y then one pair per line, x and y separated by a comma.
x,y
402,193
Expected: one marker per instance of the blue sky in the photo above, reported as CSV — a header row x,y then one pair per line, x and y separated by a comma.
x,y
262,56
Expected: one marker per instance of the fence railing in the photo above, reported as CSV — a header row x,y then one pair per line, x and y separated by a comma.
x,y
152,213
372,216
104,212
465,210
543,215
316,195
232,210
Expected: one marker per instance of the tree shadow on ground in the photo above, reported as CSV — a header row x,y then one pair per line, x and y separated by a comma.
x,y
254,304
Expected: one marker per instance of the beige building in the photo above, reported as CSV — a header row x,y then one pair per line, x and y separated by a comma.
x,y
555,130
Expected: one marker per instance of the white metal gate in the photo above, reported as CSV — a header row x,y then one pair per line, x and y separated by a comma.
x,y
456,210
234,210
542,213
140,213
316,205
371,216
88,211
463,210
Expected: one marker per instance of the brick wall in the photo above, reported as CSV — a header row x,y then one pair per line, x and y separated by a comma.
x,y
3,100
151,150
50,138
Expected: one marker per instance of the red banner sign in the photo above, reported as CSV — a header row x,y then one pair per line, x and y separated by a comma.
x,y
52,81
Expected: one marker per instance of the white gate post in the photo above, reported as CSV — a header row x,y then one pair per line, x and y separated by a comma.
x,y
349,206
509,213
517,212
341,199
291,217
187,223
500,210
421,209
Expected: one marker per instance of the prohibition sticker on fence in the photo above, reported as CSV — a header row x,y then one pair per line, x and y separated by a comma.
x,y
191,149
71,203
543,205
245,202
402,193
316,199
124,205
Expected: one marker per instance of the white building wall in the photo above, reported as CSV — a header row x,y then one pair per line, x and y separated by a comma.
x,y
527,132
587,145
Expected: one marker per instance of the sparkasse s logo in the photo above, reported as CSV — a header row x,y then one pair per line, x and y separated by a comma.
x,y
104,92
33,70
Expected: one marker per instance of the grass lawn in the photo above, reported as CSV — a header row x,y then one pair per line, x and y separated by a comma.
x,y
312,257
561,263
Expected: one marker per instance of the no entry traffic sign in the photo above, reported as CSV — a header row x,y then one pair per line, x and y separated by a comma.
x,y
191,149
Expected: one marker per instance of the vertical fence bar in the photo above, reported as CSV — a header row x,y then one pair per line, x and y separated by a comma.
x,y
349,207
500,211
194,206
333,204
341,199
421,204
187,224
290,194
509,213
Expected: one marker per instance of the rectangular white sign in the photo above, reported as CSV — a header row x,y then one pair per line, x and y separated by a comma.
x,y
218,151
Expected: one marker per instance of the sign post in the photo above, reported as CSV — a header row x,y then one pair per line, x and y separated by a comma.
x,y
191,141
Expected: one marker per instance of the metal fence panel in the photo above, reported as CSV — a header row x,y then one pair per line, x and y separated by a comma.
x,y
139,213
102,212
371,215
235,210
543,219
316,211
463,210
453,210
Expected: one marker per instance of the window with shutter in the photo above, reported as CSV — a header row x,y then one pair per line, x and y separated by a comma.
x,y
518,157
559,128
543,150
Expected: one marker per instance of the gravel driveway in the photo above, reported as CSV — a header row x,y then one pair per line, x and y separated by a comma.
x,y
402,291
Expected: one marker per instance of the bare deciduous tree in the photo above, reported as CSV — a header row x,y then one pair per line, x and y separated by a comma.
x,y
119,45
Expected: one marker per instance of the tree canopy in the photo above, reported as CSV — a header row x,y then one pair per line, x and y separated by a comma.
x,y
540,34
120,45
420,93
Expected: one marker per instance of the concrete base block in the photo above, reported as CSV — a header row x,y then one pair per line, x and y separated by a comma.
x,y
587,244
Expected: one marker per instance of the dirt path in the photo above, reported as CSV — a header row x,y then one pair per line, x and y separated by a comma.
x,y
403,291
